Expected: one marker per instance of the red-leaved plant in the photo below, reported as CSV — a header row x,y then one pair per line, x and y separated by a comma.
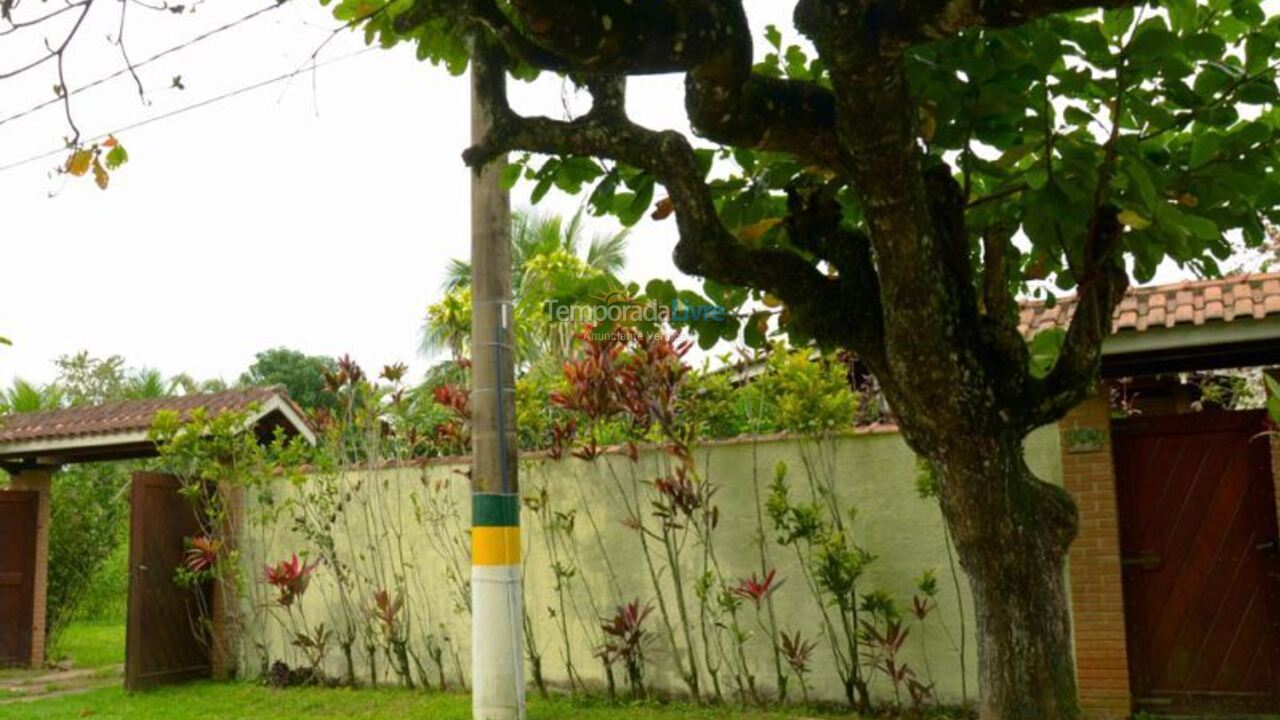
x,y
798,652
202,553
291,578
755,590
626,640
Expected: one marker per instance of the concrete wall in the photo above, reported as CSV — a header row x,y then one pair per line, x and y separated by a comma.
x,y
407,527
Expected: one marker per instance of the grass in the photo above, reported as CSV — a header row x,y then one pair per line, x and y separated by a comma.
x,y
209,701
91,644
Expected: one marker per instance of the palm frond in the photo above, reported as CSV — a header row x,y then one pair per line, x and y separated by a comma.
x,y
457,274
608,253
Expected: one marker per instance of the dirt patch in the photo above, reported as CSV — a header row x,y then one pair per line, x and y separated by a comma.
x,y
37,685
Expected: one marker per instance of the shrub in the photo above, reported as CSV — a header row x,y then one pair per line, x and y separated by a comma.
x,y
88,523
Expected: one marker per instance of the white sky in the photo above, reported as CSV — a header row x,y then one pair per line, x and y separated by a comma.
x,y
316,214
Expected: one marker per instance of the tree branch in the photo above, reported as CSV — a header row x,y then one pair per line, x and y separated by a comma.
x,y
625,36
892,26
731,105
708,39
1100,290
819,304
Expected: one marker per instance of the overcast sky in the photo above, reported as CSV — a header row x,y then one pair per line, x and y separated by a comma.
x,y
316,214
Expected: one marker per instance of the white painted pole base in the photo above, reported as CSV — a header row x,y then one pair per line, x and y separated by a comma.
x,y
497,660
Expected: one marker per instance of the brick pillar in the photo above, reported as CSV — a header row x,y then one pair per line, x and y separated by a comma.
x,y
1097,596
41,481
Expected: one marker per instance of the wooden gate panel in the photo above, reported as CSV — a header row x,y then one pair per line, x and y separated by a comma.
x,y
19,520
1202,590
167,641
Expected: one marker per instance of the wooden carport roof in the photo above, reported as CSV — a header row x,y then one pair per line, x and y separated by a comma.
x,y
118,431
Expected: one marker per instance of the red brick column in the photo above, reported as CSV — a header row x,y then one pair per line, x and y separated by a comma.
x,y
41,481
1097,599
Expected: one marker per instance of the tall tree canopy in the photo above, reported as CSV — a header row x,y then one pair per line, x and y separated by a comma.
x,y
303,376
893,189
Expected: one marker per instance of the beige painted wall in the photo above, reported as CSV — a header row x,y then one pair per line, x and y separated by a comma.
x,y
394,514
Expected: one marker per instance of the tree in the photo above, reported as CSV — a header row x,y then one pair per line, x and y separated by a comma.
x,y
547,263
88,380
534,236
147,383
303,376
893,188
22,396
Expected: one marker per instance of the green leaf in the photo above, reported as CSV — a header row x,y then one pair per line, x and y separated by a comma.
x,y
1205,46
773,36
540,190
1076,116
1273,398
510,175
1204,147
1045,348
116,157
1152,41
756,333
661,291
1134,170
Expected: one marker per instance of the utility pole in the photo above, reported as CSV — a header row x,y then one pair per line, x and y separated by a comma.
x,y
497,640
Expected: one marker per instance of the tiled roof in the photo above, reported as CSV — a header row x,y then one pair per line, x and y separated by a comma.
x,y
130,416
1241,297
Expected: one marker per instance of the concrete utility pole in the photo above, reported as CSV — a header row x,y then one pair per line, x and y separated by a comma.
x,y
497,647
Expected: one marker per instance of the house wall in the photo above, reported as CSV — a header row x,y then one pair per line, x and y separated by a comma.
x,y
420,514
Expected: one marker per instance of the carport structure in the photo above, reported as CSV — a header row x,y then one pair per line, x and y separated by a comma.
x,y
32,448
1175,574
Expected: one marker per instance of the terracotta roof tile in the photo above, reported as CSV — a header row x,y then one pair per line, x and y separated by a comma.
x,y
1242,297
130,416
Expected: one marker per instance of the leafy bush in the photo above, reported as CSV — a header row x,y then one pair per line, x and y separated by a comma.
x,y
88,524
105,597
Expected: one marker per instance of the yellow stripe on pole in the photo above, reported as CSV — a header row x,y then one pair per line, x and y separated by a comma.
x,y
492,546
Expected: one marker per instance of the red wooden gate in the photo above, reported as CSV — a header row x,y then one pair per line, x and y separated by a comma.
x,y
1200,565
167,640
19,512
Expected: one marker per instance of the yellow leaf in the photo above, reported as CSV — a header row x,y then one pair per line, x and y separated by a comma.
x,y
1134,220
928,121
1188,200
770,301
100,175
78,163
754,232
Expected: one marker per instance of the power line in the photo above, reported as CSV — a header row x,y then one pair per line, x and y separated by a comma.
x,y
194,106
131,68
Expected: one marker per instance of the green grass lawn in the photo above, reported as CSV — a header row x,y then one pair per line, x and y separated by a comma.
x,y
208,701
91,644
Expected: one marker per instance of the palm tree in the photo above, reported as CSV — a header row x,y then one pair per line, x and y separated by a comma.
x,y
538,242
534,235
448,324
185,384
147,383
24,396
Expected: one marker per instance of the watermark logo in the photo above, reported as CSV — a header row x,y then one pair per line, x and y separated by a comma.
x,y
608,311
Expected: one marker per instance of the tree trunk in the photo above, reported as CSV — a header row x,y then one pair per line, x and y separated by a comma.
x,y
1012,532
